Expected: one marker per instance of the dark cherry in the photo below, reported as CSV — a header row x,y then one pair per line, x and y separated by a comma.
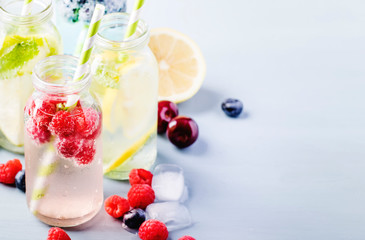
x,y
166,111
182,131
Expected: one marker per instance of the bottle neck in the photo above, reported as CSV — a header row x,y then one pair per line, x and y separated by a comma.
x,y
112,30
10,12
54,76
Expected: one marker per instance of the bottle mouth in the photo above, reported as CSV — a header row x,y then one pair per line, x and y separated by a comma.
x,y
112,30
10,11
54,75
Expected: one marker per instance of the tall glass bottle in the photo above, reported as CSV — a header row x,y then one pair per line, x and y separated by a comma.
x,y
24,40
126,83
63,147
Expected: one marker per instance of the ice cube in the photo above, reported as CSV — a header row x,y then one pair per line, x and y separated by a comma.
x,y
185,195
168,182
173,214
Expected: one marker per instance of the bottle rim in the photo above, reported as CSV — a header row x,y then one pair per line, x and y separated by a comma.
x,y
114,19
68,64
31,19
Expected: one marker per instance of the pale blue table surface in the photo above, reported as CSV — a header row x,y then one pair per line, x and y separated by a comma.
x,y
292,167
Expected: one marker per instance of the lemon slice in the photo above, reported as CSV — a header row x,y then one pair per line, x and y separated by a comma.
x,y
181,64
130,152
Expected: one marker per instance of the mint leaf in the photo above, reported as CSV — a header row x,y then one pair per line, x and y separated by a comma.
x,y
18,56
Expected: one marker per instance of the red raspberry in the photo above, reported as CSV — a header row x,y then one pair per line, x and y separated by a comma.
x,y
88,122
56,233
140,176
141,195
38,134
42,112
63,124
29,107
186,238
153,230
116,206
86,153
9,170
68,146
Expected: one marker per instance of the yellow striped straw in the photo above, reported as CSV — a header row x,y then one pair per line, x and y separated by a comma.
x,y
47,167
27,7
133,20
89,42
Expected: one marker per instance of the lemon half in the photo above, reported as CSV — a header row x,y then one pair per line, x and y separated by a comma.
x,y
182,66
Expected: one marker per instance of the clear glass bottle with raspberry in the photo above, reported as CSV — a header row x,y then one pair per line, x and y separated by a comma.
x,y
63,147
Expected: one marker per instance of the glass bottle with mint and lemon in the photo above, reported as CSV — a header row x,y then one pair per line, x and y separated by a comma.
x,y
126,83
24,40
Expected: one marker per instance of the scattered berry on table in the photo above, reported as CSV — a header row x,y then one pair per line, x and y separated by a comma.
x,y
140,176
153,230
9,170
87,122
20,180
68,147
166,111
134,218
116,206
86,153
62,124
182,131
39,134
232,107
141,195
56,233
186,238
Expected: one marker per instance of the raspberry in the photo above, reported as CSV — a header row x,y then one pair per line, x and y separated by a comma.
x,y
141,195
9,170
140,176
116,206
29,106
88,122
63,124
38,134
86,153
153,230
68,146
186,238
56,233
42,112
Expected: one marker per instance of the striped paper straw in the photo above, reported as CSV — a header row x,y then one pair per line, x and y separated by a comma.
x,y
89,42
133,20
47,167
27,7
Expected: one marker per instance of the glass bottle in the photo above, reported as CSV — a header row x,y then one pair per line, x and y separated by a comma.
x,y
24,40
126,83
63,145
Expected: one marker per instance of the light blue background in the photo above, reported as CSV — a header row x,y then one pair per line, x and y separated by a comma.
x,y
292,166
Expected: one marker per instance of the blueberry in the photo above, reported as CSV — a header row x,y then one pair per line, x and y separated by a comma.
x,y
20,180
232,107
134,218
